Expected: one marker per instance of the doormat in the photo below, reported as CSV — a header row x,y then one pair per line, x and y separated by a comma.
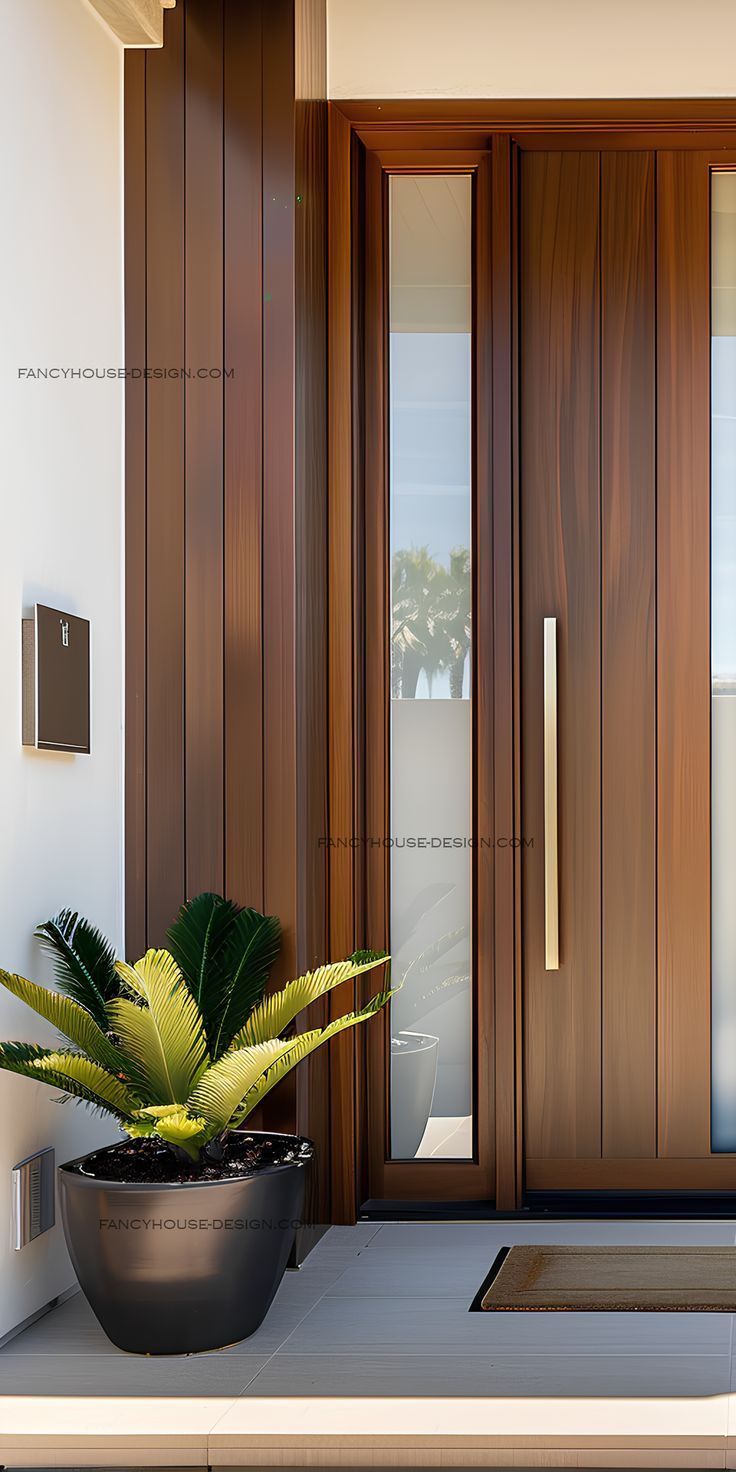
x,y
676,1280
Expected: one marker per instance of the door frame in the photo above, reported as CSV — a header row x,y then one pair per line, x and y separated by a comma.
x,y
365,141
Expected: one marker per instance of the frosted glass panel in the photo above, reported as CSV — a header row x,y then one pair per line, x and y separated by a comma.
x,y
723,659
431,725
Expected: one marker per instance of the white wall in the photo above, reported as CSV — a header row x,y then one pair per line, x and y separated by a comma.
x,y
531,48
60,535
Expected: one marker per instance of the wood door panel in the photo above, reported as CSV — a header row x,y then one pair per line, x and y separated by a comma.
x,y
242,467
203,460
617,1042
628,330
560,557
165,807
683,665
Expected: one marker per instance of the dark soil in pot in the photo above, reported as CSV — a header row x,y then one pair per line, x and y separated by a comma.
x,y
148,1162
184,1265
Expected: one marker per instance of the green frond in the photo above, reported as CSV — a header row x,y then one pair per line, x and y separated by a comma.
x,y
164,1036
196,941
73,1021
22,1057
224,954
84,961
276,1011
223,1087
84,1079
251,947
304,1044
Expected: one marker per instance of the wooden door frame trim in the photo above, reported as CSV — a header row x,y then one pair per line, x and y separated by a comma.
x,y
538,115
411,135
422,1180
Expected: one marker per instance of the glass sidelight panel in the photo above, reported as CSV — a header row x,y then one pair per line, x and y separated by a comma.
x,y
723,659
430,515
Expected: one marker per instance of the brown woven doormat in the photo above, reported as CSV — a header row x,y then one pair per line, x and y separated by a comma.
x,y
674,1280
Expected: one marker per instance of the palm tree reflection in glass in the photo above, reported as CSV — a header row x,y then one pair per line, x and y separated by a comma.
x,y
431,621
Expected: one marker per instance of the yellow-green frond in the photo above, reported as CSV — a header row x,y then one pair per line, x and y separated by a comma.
x,y
303,1044
164,1036
222,1088
70,1019
72,1072
276,1011
171,1123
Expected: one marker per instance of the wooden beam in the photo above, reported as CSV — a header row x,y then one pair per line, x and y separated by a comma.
x,y
135,22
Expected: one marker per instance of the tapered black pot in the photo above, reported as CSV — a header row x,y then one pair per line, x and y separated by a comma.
x,y
177,1269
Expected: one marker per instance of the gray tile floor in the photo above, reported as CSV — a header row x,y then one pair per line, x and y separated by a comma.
x,y
383,1310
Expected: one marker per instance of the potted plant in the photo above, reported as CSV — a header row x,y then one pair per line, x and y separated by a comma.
x,y
180,1233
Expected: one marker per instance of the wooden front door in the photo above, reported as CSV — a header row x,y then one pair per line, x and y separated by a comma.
x,y
601,482
614,439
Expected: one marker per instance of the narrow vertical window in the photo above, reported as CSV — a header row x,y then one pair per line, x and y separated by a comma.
x,y
723,659
430,517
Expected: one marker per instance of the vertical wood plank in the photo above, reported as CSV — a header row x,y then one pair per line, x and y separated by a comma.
x,y
278,537
203,428
560,530
683,645
310,497
135,503
243,628
342,671
628,331
376,731
165,478
310,471
483,777
497,713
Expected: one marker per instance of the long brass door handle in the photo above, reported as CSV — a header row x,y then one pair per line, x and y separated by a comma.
x,y
551,881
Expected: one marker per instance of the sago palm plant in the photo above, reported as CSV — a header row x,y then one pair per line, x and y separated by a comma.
x,y
183,1044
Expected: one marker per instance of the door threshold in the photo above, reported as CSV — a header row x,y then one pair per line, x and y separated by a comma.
x,y
543,1205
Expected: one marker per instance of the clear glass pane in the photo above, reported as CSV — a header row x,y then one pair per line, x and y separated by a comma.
x,y
723,659
431,728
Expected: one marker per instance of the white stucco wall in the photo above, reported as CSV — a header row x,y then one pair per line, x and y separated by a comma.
x,y
531,48
60,535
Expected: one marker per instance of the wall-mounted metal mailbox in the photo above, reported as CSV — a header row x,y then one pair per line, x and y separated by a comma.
x,y
55,680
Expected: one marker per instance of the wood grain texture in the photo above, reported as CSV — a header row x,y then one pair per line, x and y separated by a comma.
x,y
484,670
376,656
680,117
310,517
666,1173
343,669
559,388
203,475
243,510
628,737
165,109
683,665
280,883
497,713
136,849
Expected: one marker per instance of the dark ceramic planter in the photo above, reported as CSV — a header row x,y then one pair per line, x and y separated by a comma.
x,y
413,1079
177,1269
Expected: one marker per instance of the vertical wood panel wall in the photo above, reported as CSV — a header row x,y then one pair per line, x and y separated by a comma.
x,y
226,480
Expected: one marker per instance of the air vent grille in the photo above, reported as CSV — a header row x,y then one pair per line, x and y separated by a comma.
x,y
33,1197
